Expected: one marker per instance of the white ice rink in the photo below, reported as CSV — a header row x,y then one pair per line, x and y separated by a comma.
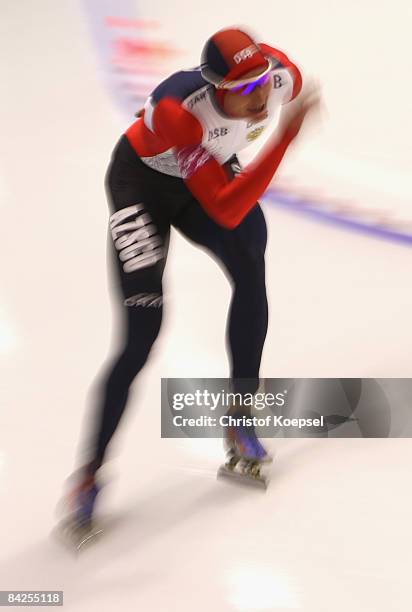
x,y
332,533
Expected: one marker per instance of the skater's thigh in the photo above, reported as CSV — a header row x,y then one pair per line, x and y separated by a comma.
x,y
138,230
241,248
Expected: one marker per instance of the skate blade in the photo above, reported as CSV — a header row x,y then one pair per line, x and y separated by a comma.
x,y
260,482
76,538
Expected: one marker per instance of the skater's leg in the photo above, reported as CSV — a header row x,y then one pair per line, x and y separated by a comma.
x,y
138,243
248,314
139,237
142,327
241,253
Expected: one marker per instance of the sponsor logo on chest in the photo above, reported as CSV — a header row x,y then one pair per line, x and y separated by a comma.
x,y
255,133
195,100
217,132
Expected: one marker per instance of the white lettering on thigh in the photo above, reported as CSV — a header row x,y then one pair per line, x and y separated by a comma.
x,y
136,238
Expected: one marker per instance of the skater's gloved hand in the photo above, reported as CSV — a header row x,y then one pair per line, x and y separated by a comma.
x,y
295,113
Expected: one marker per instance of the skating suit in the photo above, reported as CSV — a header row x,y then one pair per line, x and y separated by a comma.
x,y
176,166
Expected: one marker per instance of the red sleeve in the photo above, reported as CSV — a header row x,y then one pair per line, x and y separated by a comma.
x,y
226,201
294,70
175,124
229,201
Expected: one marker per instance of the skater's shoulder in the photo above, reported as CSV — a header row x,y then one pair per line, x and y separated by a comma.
x,y
169,109
180,85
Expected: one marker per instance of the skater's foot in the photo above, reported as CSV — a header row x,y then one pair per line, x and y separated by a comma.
x,y
81,499
78,526
84,499
241,442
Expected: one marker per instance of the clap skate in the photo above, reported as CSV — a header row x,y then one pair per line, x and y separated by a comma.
x,y
79,527
246,457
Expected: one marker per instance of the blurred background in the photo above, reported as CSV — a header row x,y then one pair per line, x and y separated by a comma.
x,y
332,532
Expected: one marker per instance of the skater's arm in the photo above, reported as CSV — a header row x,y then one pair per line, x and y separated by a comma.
x,y
226,201
229,201
175,125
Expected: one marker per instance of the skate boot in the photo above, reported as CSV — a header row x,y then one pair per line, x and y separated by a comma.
x,y
245,456
79,526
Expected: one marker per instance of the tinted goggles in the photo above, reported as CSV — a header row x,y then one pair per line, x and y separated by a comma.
x,y
247,89
246,86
